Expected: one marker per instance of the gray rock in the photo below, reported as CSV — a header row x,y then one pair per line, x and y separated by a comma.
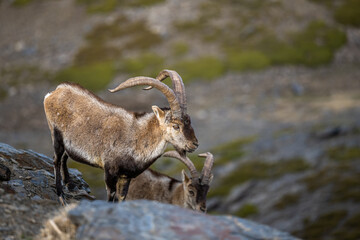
x,y
37,170
29,196
152,220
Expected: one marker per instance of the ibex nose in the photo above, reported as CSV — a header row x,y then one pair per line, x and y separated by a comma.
x,y
196,144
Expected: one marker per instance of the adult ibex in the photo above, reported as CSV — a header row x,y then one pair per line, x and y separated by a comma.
x,y
189,193
103,135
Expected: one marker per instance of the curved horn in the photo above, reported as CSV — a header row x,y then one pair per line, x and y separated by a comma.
x,y
189,164
169,94
206,171
177,84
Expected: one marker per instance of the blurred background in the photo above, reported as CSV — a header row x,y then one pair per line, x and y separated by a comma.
x,y
273,90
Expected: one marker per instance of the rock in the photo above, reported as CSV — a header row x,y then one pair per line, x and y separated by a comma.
x,y
330,132
150,220
4,173
29,196
297,88
33,174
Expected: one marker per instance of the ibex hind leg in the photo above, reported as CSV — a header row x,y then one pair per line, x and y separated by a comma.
x,y
65,173
59,151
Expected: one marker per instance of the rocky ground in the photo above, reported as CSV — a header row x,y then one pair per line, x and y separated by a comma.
x,y
27,192
289,127
29,210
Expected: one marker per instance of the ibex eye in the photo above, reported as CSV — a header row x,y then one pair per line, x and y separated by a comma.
x,y
191,193
176,127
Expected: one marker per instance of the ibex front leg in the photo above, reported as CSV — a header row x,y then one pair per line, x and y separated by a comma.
x,y
122,187
110,181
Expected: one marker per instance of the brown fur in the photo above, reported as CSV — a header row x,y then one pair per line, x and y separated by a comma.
x,y
152,185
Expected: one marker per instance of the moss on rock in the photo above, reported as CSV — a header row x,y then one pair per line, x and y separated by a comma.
x,y
287,200
247,210
321,226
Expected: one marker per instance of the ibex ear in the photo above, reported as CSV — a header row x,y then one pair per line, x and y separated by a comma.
x,y
184,177
160,114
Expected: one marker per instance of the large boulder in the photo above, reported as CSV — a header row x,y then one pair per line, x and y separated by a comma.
x,y
143,219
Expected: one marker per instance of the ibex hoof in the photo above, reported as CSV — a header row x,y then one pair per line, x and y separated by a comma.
x,y
62,200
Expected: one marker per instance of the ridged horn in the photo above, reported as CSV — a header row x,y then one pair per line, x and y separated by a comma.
x,y
169,94
206,171
189,164
177,85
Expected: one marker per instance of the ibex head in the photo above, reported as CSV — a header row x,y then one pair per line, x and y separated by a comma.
x,y
175,122
178,131
197,186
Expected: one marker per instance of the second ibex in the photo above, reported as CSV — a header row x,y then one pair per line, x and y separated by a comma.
x,y
121,142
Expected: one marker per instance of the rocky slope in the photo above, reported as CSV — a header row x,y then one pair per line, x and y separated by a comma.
x,y
27,191
28,199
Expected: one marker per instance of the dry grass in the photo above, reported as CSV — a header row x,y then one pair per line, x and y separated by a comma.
x,y
59,227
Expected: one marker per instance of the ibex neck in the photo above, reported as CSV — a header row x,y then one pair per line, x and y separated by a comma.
x,y
149,137
178,196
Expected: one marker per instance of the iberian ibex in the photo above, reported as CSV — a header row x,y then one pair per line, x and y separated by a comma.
x,y
123,143
189,193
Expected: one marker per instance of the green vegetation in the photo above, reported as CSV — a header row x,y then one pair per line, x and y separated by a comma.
x,y
342,177
343,153
247,210
94,77
323,225
204,68
135,36
258,47
93,176
180,49
258,170
23,74
319,179
231,151
3,93
106,6
287,200
15,76
318,43
348,13
20,3
92,54
147,64
94,64
314,46
247,60
223,154
140,3
350,230
347,188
